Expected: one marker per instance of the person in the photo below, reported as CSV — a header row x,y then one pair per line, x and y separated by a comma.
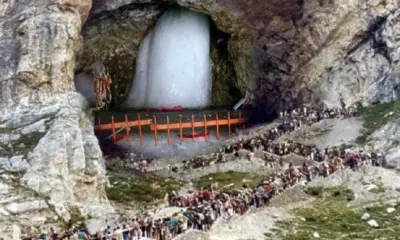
x,y
136,233
52,234
173,223
74,235
42,235
352,162
144,165
342,104
201,195
280,161
82,235
118,234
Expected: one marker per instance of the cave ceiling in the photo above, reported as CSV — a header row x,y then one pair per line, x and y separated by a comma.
x,y
114,30
283,51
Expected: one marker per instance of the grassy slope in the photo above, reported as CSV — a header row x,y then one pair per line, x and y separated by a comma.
x,y
142,191
231,178
332,218
376,116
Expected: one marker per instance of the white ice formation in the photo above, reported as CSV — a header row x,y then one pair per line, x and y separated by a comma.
x,y
173,66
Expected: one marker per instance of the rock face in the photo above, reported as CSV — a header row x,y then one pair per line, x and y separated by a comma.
x,y
55,161
386,139
287,51
50,160
38,44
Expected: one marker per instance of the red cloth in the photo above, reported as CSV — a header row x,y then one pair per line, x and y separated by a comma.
x,y
118,138
267,187
174,108
201,193
177,108
163,108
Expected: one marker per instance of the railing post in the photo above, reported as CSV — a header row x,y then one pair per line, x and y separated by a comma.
x,y
180,129
217,124
229,123
140,130
193,132
113,129
168,131
155,131
128,129
205,127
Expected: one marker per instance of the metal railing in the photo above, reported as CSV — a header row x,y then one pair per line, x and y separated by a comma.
x,y
155,127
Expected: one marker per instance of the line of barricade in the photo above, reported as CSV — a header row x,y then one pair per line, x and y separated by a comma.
x,y
155,128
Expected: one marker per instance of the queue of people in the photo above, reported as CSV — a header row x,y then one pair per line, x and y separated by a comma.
x,y
290,120
202,208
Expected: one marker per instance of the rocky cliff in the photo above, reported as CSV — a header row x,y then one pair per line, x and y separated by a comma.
x,y
285,52
50,160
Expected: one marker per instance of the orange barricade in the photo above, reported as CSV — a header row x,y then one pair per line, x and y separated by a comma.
x,y
206,123
205,128
193,133
128,138
180,129
155,131
140,130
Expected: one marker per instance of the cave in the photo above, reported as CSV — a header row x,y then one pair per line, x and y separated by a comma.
x,y
114,40
164,55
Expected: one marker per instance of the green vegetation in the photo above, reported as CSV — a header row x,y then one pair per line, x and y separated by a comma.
x,y
376,116
76,216
333,219
347,146
139,190
231,179
332,193
6,130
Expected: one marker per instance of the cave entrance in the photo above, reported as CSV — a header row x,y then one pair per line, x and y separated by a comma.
x,y
165,70
150,63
